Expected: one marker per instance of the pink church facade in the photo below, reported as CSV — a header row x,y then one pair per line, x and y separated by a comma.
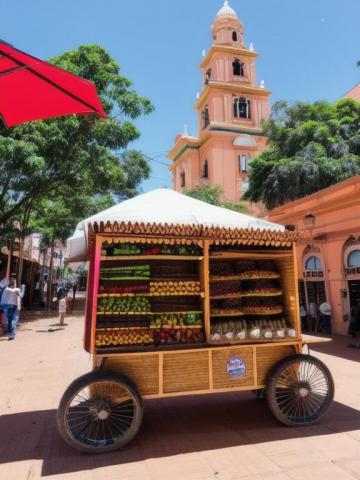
x,y
231,107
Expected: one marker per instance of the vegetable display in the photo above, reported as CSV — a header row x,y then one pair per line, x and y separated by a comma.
x,y
135,310
124,304
118,249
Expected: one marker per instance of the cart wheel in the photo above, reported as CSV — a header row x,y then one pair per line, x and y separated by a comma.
x,y
300,390
260,394
100,412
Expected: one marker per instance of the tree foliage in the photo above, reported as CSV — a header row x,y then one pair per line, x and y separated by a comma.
x,y
213,194
85,154
311,146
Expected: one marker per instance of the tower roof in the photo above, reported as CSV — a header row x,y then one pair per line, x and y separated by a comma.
x,y
226,11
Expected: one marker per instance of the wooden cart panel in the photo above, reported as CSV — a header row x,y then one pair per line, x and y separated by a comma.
x,y
209,370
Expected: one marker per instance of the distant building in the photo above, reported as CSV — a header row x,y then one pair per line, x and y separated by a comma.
x,y
230,109
328,254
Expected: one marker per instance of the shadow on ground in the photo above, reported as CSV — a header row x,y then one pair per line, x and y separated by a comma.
x,y
170,427
338,348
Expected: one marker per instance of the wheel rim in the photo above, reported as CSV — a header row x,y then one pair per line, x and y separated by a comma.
x,y
101,414
302,391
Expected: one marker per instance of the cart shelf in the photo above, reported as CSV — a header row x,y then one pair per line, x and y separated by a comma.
x,y
227,278
248,256
149,313
178,327
241,312
245,295
151,257
121,295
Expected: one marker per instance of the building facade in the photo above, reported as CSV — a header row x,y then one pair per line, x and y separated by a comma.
x,y
328,254
230,109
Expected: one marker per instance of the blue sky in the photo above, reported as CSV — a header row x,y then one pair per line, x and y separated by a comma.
x,y
309,50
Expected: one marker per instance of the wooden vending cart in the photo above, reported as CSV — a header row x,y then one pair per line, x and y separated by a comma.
x,y
186,310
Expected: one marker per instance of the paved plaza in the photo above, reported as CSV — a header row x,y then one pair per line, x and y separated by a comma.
x,y
222,437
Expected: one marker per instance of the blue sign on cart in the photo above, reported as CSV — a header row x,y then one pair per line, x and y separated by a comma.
x,y
236,367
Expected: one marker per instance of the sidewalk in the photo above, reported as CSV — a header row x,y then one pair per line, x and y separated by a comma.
x,y
223,437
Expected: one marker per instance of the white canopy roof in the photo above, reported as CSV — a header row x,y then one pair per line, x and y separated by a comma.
x,y
164,206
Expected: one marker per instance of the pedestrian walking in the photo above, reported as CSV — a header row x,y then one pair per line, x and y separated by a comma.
x,y
62,309
325,317
11,304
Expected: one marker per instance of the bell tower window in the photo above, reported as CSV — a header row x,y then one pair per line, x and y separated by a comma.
x,y
205,121
242,108
234,36
208,76
238,68
205,170
182,179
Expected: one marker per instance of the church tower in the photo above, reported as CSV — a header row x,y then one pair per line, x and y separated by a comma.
x,y
230,109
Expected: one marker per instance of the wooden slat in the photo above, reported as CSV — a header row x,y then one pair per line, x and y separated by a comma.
x,y
186,371
267,357
143,370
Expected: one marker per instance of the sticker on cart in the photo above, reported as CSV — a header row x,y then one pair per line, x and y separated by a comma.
x,y
236,367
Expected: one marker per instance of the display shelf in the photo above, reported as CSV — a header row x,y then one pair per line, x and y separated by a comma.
x,y
229,314
178,327
185,312
223,343
122,295
241,312
125,279
246,295
105,351
150,257
249,256
227,278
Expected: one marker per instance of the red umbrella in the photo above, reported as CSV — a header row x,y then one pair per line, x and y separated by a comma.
x,y
31,89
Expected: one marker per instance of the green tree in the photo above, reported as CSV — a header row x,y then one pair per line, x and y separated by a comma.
x,y
311,146
85,153
213,194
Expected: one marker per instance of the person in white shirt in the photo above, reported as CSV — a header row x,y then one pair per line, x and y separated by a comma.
x,y
62,309
325,317
11,302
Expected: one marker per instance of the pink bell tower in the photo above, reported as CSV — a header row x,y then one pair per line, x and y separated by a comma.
x,y
230,106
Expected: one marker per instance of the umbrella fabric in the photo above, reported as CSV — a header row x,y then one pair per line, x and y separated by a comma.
x,y
31,89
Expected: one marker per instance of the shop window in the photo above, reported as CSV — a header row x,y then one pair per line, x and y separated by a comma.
x,y
238,68
205,170
182,179
208,76
244,162
234,36
205,121
313,263
354,259
242,107
245,186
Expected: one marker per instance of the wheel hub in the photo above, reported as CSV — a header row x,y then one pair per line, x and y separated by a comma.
x,y
100,410
103,414
303,389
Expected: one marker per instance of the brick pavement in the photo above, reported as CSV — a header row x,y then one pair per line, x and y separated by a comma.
x,y
223,437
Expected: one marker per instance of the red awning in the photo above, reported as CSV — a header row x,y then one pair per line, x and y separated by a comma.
x,y
31,89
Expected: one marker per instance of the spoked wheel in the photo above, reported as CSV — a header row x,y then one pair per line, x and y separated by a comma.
x,y
300,390
100,412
